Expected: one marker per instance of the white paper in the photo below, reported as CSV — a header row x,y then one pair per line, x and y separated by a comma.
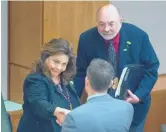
x,y
12,106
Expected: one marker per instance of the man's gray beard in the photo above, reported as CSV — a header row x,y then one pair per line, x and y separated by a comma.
x,y
112,36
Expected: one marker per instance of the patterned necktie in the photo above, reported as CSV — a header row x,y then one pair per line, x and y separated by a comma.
x,y
112,56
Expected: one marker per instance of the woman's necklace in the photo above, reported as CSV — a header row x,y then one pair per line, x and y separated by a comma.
x,y
60,90
67,97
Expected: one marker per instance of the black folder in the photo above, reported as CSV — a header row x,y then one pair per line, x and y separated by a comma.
x,y
130,79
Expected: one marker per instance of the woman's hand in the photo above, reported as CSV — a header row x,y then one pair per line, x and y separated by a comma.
x,y
60,114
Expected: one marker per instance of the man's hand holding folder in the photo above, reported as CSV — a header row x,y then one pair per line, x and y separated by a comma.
x,y
129,81
132,98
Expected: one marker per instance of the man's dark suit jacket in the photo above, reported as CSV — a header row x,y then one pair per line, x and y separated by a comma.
x,y
140,51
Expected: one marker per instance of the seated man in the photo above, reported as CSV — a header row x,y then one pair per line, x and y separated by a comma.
x,y
101,113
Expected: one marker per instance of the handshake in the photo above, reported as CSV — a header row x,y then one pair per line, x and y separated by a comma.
x,y
60,114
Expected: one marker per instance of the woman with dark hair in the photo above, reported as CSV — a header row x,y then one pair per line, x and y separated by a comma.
x,y
48,88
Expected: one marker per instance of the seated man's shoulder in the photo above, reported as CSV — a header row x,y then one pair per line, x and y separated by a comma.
x,y
123,104
80,111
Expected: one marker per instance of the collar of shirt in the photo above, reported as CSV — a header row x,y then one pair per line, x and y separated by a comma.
x,y
96,95
116,40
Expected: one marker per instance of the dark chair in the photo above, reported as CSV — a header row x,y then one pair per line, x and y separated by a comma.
x,y
163,128
6,125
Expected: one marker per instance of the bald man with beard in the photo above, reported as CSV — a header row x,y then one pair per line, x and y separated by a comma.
x,y
120,44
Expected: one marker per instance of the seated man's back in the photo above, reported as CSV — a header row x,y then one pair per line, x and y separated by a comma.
x,y
100,114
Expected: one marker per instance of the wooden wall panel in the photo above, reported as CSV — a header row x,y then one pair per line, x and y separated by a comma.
x,y
17,76
157,112
67,19
156,115
15,119
32,23
25,31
